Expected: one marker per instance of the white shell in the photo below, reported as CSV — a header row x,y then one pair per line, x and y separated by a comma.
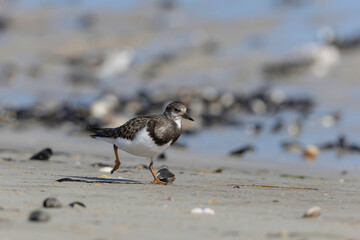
x,y
105,169
208,211
196,211
313,212
205,211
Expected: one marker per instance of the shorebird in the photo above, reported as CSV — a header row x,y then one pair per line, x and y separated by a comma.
x,y
146,136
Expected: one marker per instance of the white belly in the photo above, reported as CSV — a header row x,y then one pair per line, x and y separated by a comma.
x,y
142,145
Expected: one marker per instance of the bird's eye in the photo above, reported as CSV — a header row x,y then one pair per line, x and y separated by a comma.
x,y
177,110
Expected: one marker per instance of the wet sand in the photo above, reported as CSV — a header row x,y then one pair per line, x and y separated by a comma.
x,y
268,203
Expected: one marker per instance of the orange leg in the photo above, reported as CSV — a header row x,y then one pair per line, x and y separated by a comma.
x,y
156,180
117,161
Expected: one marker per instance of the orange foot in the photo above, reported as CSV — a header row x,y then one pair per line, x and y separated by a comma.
x,y
117,165
157,181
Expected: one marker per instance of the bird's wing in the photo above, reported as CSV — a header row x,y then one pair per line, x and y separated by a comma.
x,y
126,131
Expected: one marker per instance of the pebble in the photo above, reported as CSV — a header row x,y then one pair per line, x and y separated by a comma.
x,y
312,212
52,203
77,205
43,155
39,216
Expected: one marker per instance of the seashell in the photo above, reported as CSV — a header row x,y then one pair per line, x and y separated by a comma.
x,y
52,203
196,211
312,212
105,169
200,211
310,153
165,175
39,216
208,211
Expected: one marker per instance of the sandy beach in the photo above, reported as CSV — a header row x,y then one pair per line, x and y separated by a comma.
x,y
251,200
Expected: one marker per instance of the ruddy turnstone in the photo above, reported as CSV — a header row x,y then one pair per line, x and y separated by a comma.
x,y
146,136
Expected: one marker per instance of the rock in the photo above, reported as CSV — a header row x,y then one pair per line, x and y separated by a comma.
x,y
242,150
52,203
312,212
217,170
310,153
77,205
39,216
44,155
165,175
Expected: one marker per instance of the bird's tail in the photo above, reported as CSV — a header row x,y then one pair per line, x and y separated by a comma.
x,y
100,132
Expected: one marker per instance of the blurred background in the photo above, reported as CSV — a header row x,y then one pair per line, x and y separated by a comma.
x,y
274,80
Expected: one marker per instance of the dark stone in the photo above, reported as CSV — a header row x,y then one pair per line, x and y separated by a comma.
x,y
242,150
44,154
52,203
39,216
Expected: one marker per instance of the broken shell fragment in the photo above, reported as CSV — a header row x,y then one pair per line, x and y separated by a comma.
x,y
312,212
77,205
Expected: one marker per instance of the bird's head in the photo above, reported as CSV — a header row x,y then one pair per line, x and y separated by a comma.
x,y
177,111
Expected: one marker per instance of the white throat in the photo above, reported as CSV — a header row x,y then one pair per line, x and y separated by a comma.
x,y
178,121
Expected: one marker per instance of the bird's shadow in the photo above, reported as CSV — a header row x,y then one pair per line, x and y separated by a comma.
x,y
96,180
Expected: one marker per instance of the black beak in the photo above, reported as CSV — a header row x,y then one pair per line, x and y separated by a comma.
x,y
187,116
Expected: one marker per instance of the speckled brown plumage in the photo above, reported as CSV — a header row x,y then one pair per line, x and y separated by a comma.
x,y
161,129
